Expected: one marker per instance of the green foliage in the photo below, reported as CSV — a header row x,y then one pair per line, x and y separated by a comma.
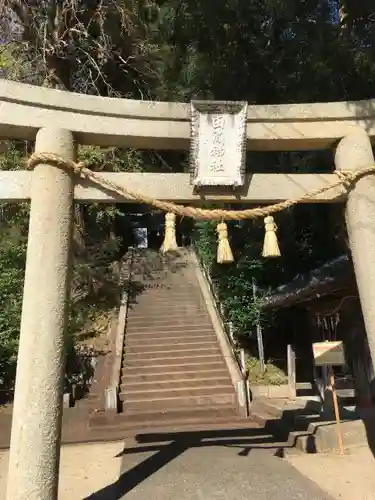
x,y
94,288
205,237
262,51
12,262
272,375
234,282
13,240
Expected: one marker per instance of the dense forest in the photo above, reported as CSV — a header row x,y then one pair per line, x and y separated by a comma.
x,y
262,51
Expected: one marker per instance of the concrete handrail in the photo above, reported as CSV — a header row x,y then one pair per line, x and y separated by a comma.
x,y
225,325
166,125
227,346
111,393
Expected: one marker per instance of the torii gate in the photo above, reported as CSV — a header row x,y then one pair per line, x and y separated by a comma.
x,y
58,120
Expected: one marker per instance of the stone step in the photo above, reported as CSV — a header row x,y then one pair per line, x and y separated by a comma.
x,y
162,283
144,341
175,301
183,306
144,393
161,280
164,292
134,377
131,403
165,287
171,312
164,276
157,347
177,351
165,333
285,408
168,334
165,429
149,325
165,329
321,436
157,385
293,423
173,360
177,416
278,425
166,320
167,310
188,367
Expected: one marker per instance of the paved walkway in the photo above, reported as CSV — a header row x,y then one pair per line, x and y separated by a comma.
x,y
232,465
84,469
346,477
221,465
216,465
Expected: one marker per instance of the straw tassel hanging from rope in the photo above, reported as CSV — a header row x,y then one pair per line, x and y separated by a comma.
x,y
224,252
270,246
169,243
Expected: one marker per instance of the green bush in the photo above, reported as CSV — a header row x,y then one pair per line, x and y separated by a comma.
x,y
272,375
234,282
94,289
12,262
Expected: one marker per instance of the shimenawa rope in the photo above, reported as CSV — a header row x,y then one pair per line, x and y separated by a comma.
x,y
269,249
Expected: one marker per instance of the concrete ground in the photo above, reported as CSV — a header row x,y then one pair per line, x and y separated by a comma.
x,y
346,477
210,473
84,469
216,465
221,465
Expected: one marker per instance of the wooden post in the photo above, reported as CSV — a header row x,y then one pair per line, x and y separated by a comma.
x,y
291,357
259,337
336,408
231,331
243,362
261,350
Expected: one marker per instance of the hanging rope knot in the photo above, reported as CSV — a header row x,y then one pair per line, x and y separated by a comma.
x,y
222,230
224,252
170,220
170,242
271,245
270,248
269,224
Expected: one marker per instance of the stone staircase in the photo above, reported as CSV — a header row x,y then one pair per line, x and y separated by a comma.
x,y
173,372
303,428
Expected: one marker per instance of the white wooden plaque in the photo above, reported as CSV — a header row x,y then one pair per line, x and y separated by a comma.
x,y
218,143
329,353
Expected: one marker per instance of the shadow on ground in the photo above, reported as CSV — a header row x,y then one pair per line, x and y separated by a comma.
x,y
164,448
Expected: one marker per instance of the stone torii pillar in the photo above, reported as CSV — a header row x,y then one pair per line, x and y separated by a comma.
x,y
37,414
354,152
